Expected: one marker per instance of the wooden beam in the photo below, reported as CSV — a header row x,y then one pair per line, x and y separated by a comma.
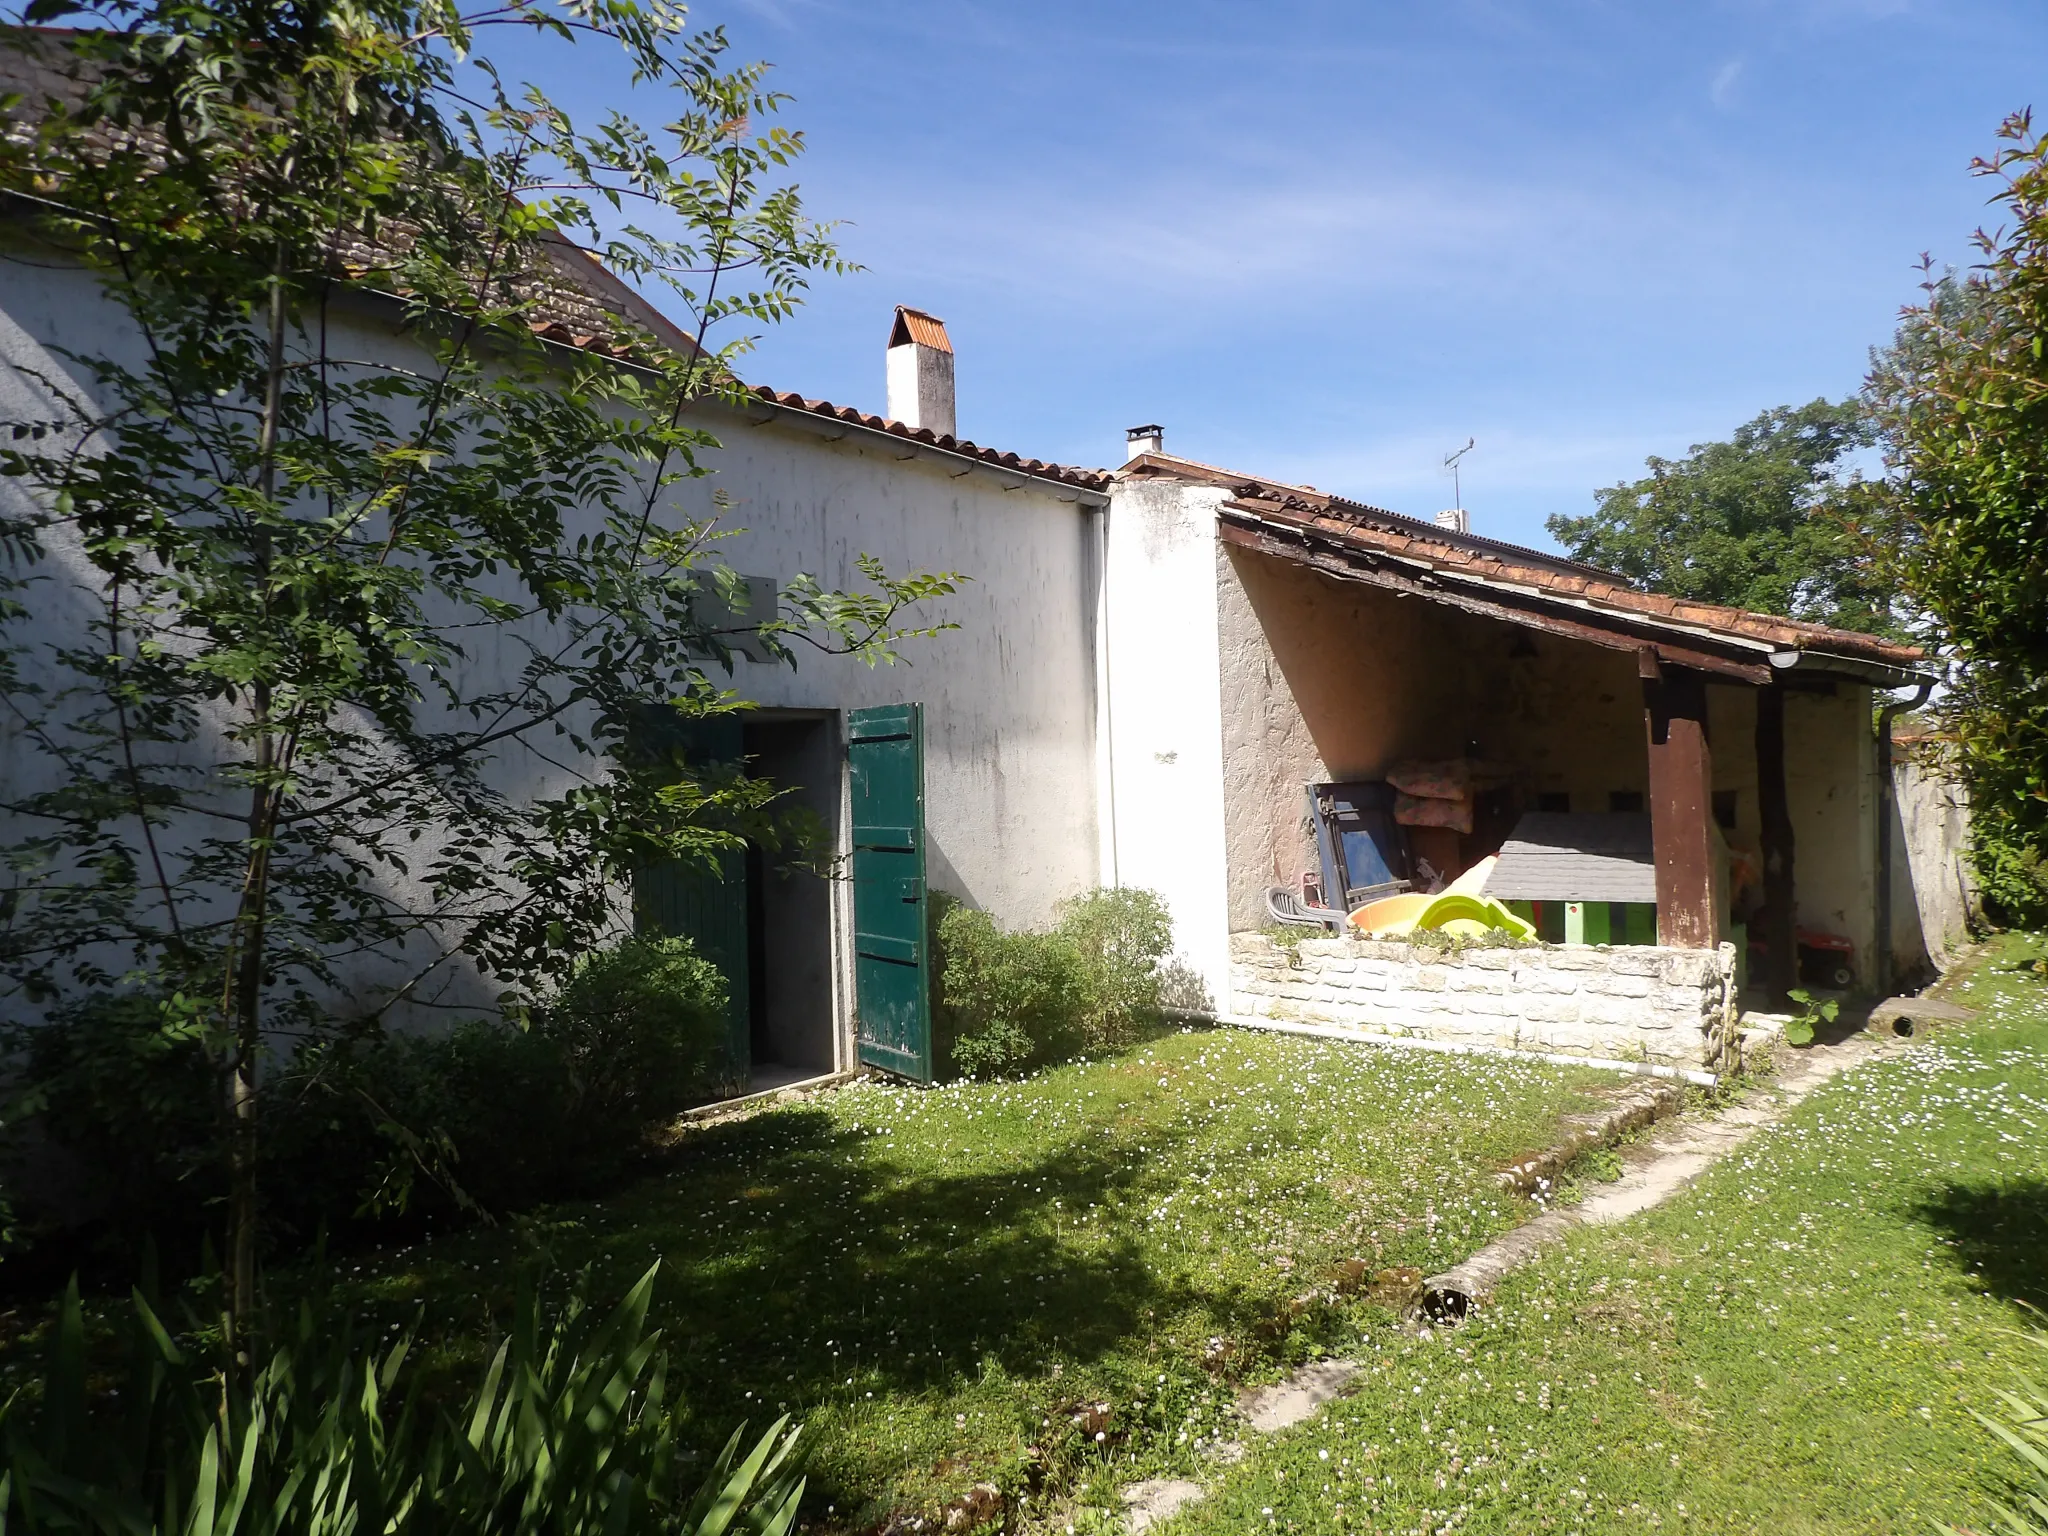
x,y
1378,570
1779,917
1682,810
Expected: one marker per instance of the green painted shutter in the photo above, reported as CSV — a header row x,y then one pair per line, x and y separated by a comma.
x,y
706,906
885,773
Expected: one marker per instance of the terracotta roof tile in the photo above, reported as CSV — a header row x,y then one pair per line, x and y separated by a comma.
x,y
914,325
1065,474
1450,552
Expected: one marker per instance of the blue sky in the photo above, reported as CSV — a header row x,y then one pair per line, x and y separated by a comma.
x,y
1330,242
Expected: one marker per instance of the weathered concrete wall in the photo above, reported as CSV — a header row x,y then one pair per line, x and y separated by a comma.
x,y
1933,901
1325,681
1009,693
1663,1005
1269,752
1332,680
1567,714
1831,789
1161,726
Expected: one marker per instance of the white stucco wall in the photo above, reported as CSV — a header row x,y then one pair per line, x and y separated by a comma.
x,y
1933,901
1009,694
1161,727
1831,792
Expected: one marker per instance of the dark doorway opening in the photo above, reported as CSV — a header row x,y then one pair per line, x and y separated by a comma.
x,y
792,1024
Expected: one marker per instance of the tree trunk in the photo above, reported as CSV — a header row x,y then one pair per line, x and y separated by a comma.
x,y
247,1014
247,958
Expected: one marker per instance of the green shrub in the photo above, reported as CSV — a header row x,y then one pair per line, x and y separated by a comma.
x,y
571,1432
1122,935
121,1090
1010,1002
2012,877
496,1117
641,1032
484,1116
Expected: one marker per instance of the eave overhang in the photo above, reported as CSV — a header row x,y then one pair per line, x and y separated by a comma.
x,y
1251,525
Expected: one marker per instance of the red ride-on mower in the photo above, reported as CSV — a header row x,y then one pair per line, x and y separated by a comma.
x,y
1825,959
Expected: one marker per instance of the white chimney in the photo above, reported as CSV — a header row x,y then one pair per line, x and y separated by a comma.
x,y
1457,519
1147,439
921,372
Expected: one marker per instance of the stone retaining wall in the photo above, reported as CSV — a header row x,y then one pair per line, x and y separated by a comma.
x,y
1628,1002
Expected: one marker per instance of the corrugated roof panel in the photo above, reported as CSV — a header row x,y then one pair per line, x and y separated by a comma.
x,y
1569,856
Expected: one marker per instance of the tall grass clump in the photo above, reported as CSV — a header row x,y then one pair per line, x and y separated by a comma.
x,y
571,1432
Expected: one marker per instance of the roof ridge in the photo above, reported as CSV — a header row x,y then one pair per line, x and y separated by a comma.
x,y
1043,469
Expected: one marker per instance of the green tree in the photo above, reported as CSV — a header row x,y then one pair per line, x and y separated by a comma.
x,y
341,596
1962,399
1757,522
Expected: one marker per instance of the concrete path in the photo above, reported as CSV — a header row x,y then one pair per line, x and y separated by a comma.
x,y
1658,1167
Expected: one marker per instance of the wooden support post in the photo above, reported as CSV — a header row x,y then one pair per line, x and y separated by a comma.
x,y
1777,921
1681,805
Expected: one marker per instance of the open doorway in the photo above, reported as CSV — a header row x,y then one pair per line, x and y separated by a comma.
x,y
792,1023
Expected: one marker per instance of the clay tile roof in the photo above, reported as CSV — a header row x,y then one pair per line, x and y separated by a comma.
x,y
1374,530
1038,469
1451,553
915,326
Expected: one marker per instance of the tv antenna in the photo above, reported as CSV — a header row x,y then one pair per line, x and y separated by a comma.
x,y
1451,463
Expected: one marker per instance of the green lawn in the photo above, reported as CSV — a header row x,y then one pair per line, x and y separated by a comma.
x,y
1793,1346
936,1281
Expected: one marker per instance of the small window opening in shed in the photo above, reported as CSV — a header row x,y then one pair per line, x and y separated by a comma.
x,y
1625,801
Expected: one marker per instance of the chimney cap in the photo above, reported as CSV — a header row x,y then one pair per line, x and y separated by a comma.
x,y
913,327
1152,429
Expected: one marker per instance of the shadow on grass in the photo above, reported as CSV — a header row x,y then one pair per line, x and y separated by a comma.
x,y
805,1262
1999,1230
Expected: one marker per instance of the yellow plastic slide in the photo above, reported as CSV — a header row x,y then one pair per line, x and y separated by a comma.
x,y
1458,909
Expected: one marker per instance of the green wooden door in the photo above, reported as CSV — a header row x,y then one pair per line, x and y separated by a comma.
x,y
706,906
885,772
